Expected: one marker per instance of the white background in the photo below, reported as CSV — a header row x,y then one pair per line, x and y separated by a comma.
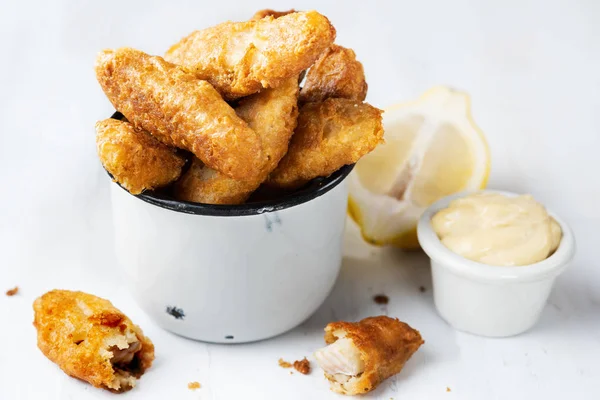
x,y
533,71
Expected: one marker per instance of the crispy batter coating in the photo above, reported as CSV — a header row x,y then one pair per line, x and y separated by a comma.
x,y
260,14
272,113
201,184
385,345
302,366
89,339
134,158
194,385
284,364
329,135
337,73
179,110
13,291
241,58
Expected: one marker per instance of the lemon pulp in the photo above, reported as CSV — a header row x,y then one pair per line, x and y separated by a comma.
x,y
433,149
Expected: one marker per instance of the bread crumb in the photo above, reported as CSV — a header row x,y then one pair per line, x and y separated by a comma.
x,y
448,389
291,373
422,289
302,366
194,385
381,299
284,364
13,291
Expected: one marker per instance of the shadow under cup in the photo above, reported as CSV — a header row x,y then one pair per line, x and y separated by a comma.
x,y
232,274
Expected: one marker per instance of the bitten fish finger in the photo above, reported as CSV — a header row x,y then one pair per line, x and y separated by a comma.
x,y
360,355
90,339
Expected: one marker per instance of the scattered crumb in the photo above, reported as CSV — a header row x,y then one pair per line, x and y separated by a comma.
x,y
422,289
302,366
13,291
381,299
448,389
194,385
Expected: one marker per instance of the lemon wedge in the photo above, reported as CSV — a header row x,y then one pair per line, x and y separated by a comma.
x,y
432,149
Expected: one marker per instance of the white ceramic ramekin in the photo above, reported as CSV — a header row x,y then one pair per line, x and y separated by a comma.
x,y
490,300
232,274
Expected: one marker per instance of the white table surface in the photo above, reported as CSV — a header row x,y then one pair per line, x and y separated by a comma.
x,y
532,69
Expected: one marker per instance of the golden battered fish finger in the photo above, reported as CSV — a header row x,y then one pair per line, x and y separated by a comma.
x,y
272,114
361,355
201,184
260,14
337,73
89,339
329,135
241,58
134,158
179,110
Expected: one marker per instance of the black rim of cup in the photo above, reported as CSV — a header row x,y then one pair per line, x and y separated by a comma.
x,y
316,188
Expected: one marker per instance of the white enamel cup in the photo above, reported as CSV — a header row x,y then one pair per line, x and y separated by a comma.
x,y
232,274
490,300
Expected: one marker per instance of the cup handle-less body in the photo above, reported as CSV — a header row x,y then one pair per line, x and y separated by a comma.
x,y
230,278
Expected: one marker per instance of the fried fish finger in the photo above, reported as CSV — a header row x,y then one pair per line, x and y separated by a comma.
x,y
336,74
329,135
201,184
241,58
272,114
260,14
361,355
135,159
89,339
179,110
